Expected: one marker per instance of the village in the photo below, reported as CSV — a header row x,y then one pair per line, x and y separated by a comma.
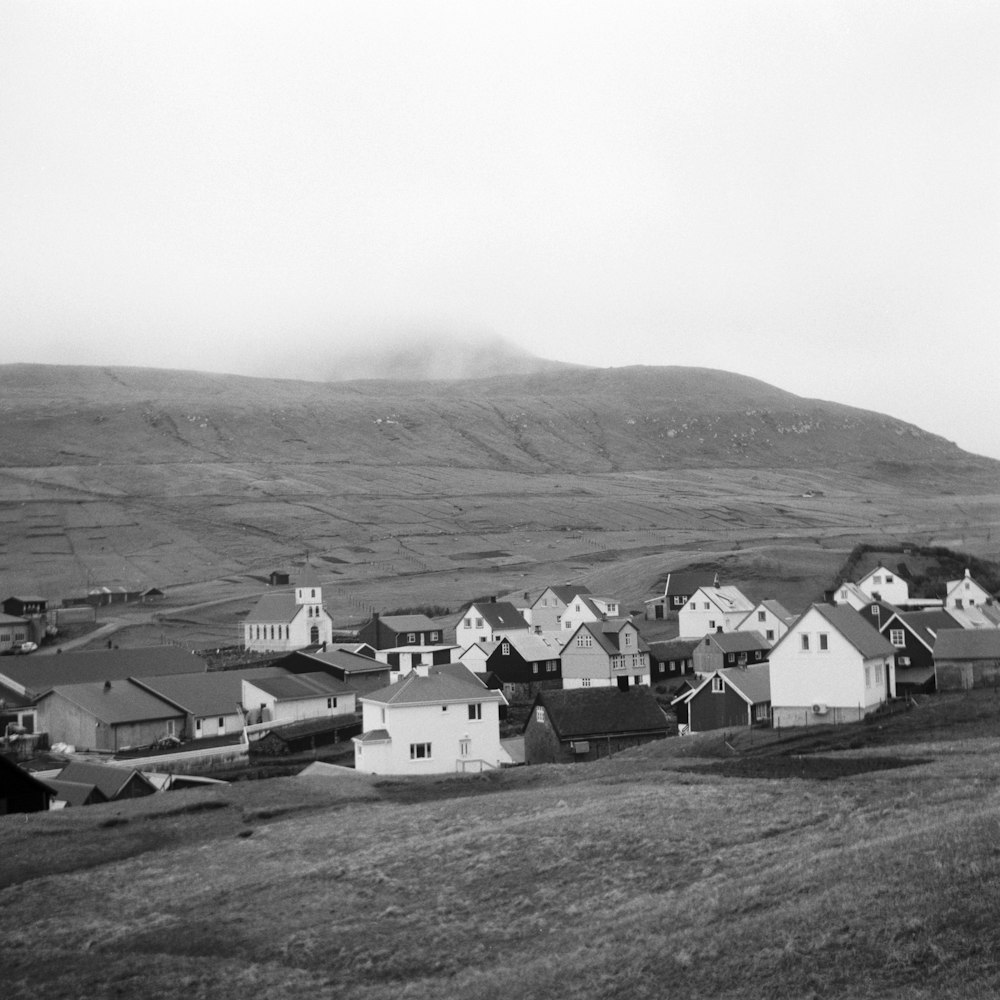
x,y
564,676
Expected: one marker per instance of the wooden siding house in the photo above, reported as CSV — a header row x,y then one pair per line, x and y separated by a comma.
x,y
524,664
670,658
21,791
967,658
733,698
719,650
392,631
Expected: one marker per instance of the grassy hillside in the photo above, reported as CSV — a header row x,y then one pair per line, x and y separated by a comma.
x,y
649,875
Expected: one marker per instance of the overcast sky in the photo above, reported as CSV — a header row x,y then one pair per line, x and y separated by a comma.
x,y
805,192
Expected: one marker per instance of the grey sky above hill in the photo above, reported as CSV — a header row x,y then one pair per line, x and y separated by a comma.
x,y
801,192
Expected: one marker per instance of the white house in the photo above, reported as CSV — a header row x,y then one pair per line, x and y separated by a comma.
x,y
769,618
712,608
888,587
831,666
447,721
605,654
289,620
294,697
546,614
487,621
852,595
966,593
586,607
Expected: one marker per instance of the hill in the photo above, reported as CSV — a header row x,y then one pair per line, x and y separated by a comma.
x,y
413,493
581,420
870,870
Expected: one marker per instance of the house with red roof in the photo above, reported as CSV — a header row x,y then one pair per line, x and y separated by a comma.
x,y
831,666
445,722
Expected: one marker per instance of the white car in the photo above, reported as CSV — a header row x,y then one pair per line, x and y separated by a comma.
x,y
24,646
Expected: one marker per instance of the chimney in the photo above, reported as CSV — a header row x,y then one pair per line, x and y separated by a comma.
x,y
715,582
324,645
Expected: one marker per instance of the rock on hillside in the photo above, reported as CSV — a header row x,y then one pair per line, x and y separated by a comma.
x,y
585,419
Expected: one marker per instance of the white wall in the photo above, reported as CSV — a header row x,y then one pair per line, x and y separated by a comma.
x,y
444,729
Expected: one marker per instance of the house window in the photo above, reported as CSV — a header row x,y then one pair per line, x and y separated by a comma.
x,y
411,636
756,654
476,712
731,657
824,640
434,637
868,677
463,747
805,643
877,579
479,623
540,716
897,638
585,682
534,668
584,639
762,712
628,638
888,578
711,623
222,722
707,606
467,623
312,593
505,649
577,608
770,635
762,616
444,708
420,751
331,702
717,685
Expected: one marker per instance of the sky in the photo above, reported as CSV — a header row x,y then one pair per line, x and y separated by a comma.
x,y
804,192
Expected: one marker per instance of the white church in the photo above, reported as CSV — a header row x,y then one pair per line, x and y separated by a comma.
x,y
289,620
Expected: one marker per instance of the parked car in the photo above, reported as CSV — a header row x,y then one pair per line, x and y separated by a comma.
x,y
23,646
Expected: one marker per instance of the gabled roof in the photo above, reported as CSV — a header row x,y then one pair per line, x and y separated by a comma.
x,y
215,693
116,702
738,642
532,648
409,623
76,793
968,644
673,649
307,577
289,687
880,568
594,712
500,615
565,593
777,609
109,778
435,688
727,599
865,638
13,775
374,736
279,608
12,620
976,616
342,658
752,684
684,584
41,673
923,625
607,634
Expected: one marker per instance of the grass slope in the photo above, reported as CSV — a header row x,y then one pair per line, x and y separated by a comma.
x,y
632,878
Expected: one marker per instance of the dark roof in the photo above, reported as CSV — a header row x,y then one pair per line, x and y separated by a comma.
x,y
309,727
501,615
409,623
739,642
12,620
925,625
593,712
607,633
291,686
752,683
343,659
673,649
687,582
109,778
13,775
968,644
76,793
215,693
42,673
116,702
565,593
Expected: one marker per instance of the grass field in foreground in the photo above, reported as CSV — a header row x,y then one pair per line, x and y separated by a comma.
x,y
635,877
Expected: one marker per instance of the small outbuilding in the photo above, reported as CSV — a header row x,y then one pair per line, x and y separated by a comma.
x,y
967,658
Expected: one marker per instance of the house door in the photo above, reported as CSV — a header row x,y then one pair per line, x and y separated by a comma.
x,y
314,635
623,683
658,611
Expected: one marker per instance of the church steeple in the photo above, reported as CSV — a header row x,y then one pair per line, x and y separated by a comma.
x,y
308,589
